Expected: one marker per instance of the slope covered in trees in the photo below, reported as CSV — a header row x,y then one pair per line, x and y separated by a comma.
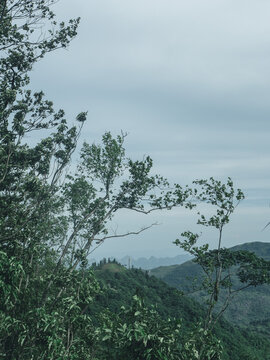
x,y
120,284
249,308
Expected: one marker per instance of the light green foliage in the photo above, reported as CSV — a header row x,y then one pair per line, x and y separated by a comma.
x,y
202,345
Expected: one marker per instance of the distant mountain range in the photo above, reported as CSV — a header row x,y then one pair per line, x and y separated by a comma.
x,y
250,308
153,261
150,263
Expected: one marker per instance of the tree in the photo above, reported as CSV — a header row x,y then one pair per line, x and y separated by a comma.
x,y
48,221
221,267
27,179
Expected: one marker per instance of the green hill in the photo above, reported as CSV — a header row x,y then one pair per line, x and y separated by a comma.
x,y
250,308
120,284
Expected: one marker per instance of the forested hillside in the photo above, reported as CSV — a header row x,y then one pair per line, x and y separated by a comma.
x,y
120,284
249,308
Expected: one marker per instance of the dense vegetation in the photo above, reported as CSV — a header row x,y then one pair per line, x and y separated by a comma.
x,y
51,304
119,285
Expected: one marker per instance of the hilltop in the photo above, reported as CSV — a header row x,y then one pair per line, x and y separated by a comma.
x,y
149,263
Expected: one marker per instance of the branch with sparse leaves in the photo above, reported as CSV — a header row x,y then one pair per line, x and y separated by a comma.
x,y
218,282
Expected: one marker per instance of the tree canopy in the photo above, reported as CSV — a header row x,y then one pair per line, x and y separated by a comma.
x,y
50,220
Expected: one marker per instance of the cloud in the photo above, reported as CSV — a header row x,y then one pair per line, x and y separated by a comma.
x,y
189,82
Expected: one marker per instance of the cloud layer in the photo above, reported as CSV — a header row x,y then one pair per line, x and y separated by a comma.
x,y
189,82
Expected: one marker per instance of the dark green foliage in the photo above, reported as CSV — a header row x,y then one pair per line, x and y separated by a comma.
x,y
61,327
140,333
119,287
49,221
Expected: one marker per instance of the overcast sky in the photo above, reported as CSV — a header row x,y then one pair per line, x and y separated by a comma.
x,y
190,83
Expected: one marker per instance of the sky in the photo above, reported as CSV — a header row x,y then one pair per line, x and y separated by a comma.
x,y
189,81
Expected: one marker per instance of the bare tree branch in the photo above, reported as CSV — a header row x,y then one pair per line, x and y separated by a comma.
x,y
126,234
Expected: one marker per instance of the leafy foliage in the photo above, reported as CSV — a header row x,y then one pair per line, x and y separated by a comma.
x,y
118,287
49,221
140,333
